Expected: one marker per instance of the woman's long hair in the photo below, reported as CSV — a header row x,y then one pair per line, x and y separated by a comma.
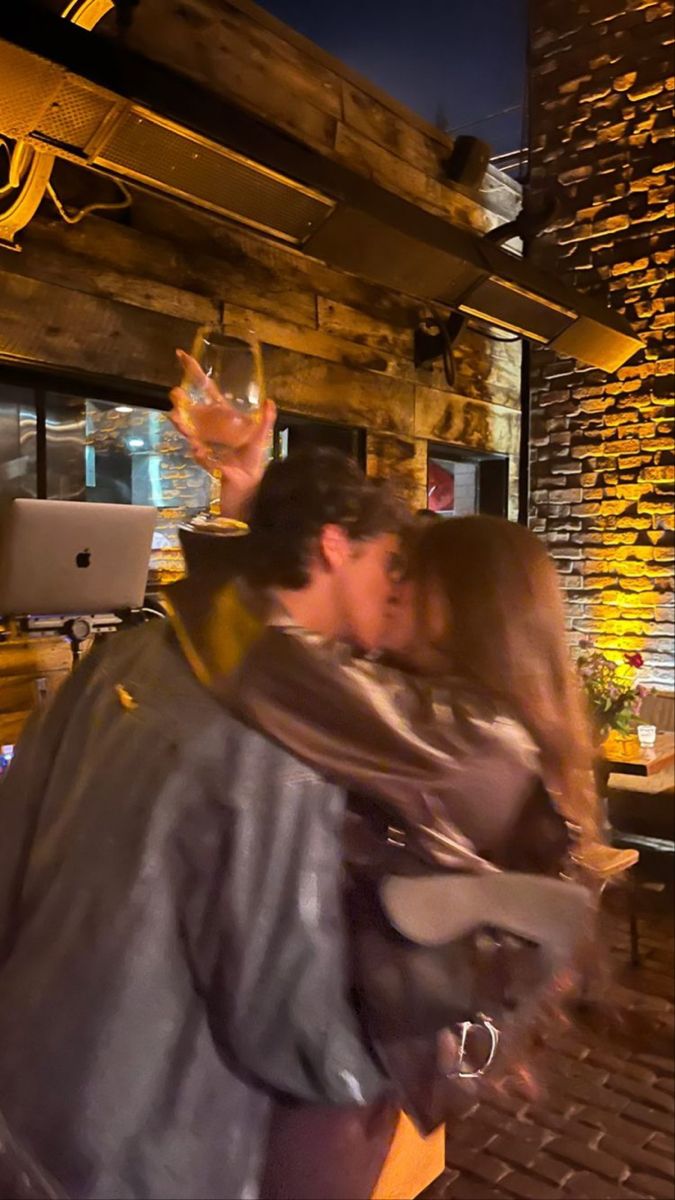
x,y
505,634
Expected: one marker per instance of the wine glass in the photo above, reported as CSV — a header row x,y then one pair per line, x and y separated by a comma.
x,y
223,387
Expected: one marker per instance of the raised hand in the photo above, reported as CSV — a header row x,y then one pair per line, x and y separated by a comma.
x,y
237,449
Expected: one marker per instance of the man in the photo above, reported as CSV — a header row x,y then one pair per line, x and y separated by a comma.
x,y
171,940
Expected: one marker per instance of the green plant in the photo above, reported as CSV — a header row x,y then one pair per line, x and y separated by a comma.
x,y
613,696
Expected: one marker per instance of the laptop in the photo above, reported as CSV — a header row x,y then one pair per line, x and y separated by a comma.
x,y
65,557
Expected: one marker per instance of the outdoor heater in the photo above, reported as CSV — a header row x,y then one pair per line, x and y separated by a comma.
x,y
70,93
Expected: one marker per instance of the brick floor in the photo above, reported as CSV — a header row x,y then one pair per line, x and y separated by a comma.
x,y
605,1125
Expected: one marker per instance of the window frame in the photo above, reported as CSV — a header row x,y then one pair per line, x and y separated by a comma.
x,y
486,461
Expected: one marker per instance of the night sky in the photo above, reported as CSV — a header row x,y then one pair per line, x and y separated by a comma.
x,y
465,58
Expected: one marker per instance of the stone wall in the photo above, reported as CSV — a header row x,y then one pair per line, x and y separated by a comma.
x,y
602,446
114,296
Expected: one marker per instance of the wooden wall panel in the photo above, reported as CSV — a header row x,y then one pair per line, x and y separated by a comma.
x,y
336,393
474,424
31,672
277,279
57,326
267,270
216,263
363,329
368,116
397,175
114,297
402,461
50,261
486,370
198,265
54,325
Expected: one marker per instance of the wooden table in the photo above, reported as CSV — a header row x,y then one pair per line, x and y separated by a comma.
x,y
31,670
628,757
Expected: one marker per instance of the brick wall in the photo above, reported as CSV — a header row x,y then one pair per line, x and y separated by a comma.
x,y
602,446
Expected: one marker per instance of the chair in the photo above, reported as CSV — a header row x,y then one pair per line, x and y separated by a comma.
x,y
606,865
659,709
641,809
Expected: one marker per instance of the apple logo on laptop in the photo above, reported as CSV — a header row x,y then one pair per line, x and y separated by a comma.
x,y
83,559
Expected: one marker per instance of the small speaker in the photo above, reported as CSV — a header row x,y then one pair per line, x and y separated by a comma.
x,y
468,162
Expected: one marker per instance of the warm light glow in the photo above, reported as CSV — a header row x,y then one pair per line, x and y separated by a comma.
x,y
30,171
86,13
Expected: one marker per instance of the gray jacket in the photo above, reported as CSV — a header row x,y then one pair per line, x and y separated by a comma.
x,y
171,938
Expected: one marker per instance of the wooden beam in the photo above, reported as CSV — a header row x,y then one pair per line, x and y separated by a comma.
x,y
380,123
403,179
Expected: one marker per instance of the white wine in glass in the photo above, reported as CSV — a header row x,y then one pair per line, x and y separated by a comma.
x,y
224,397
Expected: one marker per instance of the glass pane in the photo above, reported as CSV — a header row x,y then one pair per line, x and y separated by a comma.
x,y
18,457
135,456
114,453
452,487
64,453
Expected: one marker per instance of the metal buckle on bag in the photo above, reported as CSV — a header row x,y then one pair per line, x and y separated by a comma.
x,y
493,1032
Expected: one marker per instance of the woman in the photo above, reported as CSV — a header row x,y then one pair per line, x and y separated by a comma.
x,y
481,616
483,603
472,752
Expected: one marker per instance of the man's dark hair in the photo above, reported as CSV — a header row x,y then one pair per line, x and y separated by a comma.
x,y
297,497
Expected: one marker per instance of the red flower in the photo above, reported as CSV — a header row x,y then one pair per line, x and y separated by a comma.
x,y
635,660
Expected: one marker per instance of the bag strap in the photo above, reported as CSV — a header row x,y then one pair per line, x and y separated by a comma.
x,y
433,910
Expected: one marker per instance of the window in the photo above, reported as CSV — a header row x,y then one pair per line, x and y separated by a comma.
x,y
115,444
296,432
135,456
459,484
18,443
63,444
452,487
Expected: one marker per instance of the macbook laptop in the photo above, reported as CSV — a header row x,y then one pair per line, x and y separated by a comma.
x,y
61,557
